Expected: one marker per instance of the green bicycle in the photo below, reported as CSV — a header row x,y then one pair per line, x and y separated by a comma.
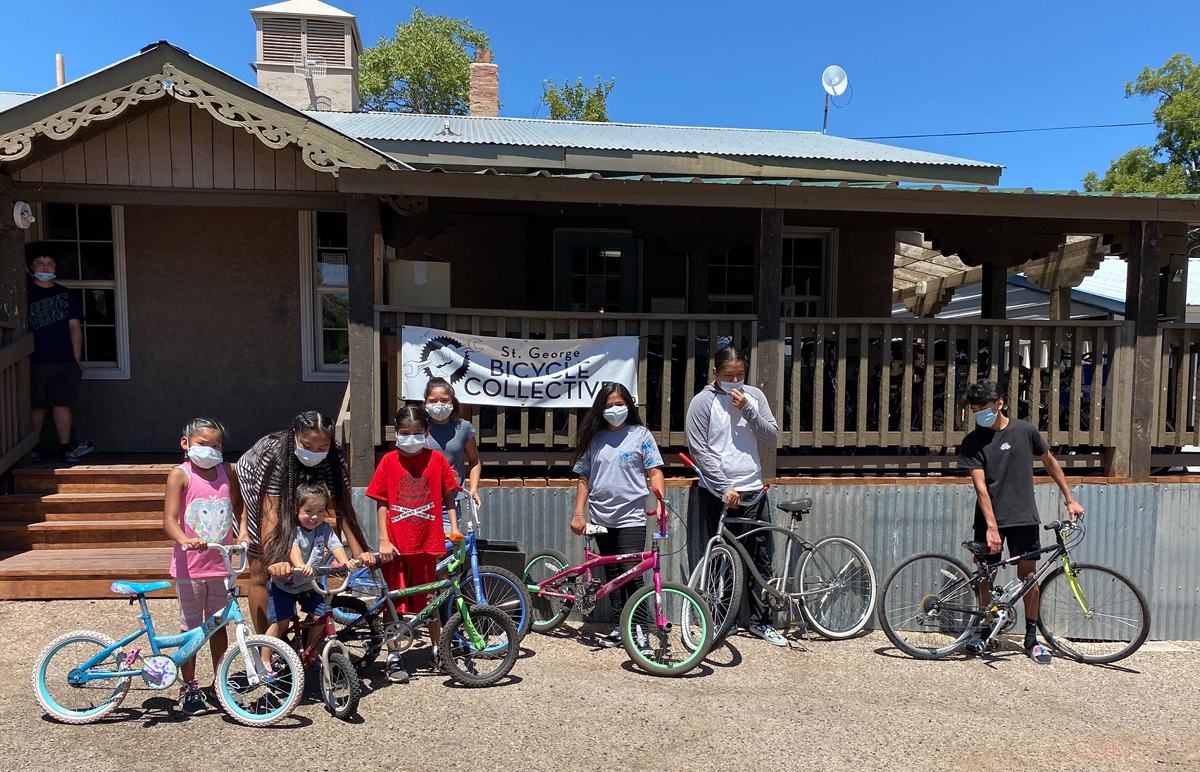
x,y
931,604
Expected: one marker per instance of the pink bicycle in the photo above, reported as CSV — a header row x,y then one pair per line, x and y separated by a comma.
x,y
666,627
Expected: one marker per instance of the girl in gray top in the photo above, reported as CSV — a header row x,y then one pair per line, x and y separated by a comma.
x,y
618,463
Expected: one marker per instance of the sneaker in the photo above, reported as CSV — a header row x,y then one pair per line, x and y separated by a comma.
x,y
1039,654
642,640
611,639
769,634
395,669
76,454
979,646
191,699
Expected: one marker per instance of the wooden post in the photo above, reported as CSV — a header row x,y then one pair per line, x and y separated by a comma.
x,y
1060,304
360,226
1176,300
1142,296
768,364
993,298
697,294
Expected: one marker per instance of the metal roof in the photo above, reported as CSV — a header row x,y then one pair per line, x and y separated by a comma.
x,y
10,99
530,132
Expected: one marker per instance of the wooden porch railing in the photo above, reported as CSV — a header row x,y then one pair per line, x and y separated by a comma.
x,y
16,439
674,365
893,383
1177,424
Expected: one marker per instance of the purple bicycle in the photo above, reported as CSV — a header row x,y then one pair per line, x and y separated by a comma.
x,y
666,627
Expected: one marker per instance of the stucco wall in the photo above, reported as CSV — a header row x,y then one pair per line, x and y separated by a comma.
x,y
214,329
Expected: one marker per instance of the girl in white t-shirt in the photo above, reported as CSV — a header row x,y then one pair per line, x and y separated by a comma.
x,y
618,464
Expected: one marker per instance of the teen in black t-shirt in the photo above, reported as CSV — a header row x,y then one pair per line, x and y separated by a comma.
x,y
999,455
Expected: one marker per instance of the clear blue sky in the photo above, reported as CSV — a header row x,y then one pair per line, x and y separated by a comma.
x,y
915,67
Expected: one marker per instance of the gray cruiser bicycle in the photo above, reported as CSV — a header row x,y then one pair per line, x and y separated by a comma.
x,y
828,586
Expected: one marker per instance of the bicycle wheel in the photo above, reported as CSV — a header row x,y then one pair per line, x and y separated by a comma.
x,y
1115,625
341,688
838,588
928,608
674,648
722,585
83,703
278,691
546,613
503,590
486,661
361,633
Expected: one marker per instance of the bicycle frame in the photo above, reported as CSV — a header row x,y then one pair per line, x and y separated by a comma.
x,y
186,644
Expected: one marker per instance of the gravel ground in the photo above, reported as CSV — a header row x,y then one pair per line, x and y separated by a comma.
x,y
570,705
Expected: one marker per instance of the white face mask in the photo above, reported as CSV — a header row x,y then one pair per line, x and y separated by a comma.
x,y
204,456
439,411
729,386
411,444
40,276
616,415
308,457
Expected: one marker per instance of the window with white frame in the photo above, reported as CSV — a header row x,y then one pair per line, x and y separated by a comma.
x,y
89,252
325,298
807,280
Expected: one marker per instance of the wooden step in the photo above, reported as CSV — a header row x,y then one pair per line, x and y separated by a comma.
x,y
80,573
80,534
33,507
142,478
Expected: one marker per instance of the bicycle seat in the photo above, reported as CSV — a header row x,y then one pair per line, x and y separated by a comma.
x,y
796,507
978,548
138,588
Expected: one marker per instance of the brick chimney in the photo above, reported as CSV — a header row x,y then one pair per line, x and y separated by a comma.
x,y
485,85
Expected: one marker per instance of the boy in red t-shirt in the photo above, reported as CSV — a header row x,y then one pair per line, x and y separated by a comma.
x,y
411,485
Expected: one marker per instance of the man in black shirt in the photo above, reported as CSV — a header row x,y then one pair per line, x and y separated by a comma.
x,y
56,320
999,454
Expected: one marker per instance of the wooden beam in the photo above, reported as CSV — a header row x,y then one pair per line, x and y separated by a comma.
x,y
1142,298
993,297
360,225
1177,282
768,364
134,196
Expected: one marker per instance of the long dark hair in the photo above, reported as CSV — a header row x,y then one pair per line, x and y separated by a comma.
x,y
293,474
594,423
285,532
444,385
727,355
412,412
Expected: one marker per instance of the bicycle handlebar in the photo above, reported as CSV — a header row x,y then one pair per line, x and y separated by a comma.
x,y
241,548
341,568
720,494
1062,525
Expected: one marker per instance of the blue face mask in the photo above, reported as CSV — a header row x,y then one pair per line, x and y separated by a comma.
x,y
44,276
986,417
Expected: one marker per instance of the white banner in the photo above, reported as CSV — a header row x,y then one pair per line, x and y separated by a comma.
x,y
516,373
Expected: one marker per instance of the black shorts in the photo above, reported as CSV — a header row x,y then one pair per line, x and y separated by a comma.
x,y
54,384
1019,538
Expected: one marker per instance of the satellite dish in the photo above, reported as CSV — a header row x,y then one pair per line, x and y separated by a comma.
x,y
22,215
834,80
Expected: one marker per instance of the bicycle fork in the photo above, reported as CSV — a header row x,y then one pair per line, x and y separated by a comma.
x,y
252,673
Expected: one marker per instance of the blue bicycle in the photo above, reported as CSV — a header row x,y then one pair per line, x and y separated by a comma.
x,y
83,676
487,585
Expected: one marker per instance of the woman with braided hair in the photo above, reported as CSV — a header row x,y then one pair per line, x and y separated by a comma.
x,y
269,474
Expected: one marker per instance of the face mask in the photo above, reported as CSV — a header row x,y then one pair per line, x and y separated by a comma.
x,y
410,443
985,417
729,386
616,415
308,457
205,457
44,276
439,411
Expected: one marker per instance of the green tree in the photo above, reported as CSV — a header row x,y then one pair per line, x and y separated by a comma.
x,y
1172,163
577,102
425,68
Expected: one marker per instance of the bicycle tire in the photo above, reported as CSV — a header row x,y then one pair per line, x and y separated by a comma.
x,y
953,632
507,593
694,625
1064,611
289,673
341,671
821,612
496,627
723,589
362,637
97,711
546,613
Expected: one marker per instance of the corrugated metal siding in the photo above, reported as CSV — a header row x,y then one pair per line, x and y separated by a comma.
x,y
529,132
9,99
1150,533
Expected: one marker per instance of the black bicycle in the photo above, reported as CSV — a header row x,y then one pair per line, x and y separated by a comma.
x,y
931,605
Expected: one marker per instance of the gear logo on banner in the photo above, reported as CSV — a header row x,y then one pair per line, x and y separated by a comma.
x,y
444,357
